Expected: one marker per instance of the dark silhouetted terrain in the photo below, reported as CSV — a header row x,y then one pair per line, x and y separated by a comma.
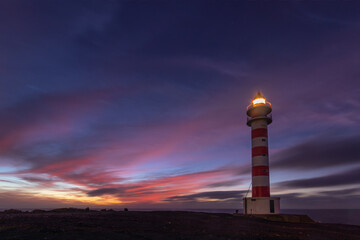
x,y
72,224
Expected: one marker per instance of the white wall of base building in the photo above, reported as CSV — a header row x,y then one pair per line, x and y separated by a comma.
x,y
262,205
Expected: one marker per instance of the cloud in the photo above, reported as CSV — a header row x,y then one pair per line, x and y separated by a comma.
x,y
160,189
331,16
342,192
63,116
228,183
342,178
332,199
323,151
218,195
105,191
49,116
321,202
37,179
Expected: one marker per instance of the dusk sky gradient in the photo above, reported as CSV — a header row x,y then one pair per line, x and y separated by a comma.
x,y
142,104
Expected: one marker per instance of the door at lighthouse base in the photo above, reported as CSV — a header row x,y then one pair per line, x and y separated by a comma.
x,y
272,206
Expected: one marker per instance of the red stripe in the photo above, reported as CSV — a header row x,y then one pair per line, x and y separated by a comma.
x,y
261,191
259,132
259,151
260,171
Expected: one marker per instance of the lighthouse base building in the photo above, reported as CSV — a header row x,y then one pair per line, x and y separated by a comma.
x,y
259,118
261,205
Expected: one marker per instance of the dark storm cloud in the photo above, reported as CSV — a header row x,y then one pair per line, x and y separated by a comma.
x,y
338,179
324,151
209,195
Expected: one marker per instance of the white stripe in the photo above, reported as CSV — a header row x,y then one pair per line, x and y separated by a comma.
x,y
258,142
260,161
261,123
260,181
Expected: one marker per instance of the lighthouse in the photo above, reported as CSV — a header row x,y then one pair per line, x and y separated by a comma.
x,y
259,117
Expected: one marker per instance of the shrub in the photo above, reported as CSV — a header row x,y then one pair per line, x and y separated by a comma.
x,y
12,211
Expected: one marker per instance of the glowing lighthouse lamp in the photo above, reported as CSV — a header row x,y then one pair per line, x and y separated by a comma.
x,y
258,118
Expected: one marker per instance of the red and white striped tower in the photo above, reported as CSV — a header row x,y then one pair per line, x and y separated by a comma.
x,y
259,118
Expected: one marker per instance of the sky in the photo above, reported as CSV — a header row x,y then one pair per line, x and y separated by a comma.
x,y
142,104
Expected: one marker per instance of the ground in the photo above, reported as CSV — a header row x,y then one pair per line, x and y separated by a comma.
x,y
161,225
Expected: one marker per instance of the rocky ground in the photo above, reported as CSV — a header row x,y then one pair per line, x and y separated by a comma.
x,y
161,225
